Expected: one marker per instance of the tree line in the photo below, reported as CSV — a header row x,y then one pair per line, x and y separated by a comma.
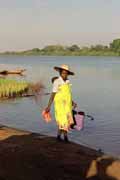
x,y
113,49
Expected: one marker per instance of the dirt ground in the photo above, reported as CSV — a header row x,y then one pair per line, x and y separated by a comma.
x,y
30,156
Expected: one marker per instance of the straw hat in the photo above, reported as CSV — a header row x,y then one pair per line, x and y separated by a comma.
x,y
64,67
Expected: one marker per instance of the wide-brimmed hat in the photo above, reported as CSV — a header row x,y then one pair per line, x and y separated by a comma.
x,y
64,67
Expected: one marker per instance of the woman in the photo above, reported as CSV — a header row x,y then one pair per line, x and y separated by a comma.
x,y
62,97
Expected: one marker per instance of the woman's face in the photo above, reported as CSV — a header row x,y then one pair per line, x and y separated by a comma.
x,y
64,74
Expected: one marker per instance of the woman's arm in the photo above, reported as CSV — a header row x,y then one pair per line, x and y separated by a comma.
x,y
50,102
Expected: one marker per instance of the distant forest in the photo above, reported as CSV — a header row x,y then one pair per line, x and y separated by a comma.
x,y
113,49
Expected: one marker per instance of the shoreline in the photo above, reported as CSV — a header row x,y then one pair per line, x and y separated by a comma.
x,y
60,55
26,155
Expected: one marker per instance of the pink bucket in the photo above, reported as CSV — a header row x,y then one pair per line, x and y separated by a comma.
x,y
79,118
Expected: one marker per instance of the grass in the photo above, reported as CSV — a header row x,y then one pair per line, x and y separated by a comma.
x,y
10,88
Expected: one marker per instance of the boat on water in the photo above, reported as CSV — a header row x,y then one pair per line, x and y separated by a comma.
x,y
16,71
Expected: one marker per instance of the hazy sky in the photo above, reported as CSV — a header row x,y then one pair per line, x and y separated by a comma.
x,y
26,24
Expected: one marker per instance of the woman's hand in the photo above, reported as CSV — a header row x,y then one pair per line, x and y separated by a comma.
x,y
74,104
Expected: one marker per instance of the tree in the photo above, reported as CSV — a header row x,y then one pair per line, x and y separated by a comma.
x,y
35,50
115,45
53,48
73,48
98,47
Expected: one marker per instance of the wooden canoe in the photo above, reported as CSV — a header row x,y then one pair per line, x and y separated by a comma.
x,y
6,72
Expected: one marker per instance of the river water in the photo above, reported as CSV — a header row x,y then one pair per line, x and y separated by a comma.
x,y
95,87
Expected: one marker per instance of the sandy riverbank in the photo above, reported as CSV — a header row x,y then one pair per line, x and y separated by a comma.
x,y
30,156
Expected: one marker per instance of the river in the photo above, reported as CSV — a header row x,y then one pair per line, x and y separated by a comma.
x,y
96,89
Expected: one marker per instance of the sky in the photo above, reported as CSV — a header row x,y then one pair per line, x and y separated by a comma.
x,y
26,24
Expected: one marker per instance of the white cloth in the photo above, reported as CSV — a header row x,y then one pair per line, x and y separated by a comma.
x,y
57,83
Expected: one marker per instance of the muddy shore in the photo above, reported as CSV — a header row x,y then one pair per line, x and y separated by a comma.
x,y
30,156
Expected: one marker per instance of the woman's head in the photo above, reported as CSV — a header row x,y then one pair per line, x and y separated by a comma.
x,y
64,74
64,70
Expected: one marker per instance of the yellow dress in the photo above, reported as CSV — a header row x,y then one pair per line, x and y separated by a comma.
x,y
63,107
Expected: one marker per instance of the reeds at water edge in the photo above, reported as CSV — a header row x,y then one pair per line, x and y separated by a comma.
x,y
10,88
